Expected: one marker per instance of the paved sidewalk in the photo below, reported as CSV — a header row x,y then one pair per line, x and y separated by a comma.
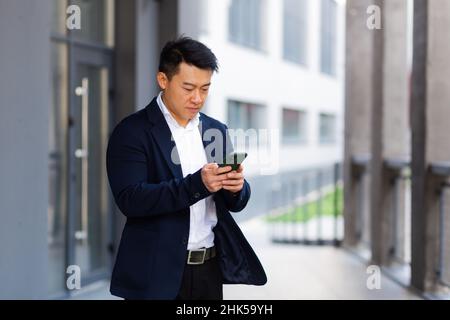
x,y
297,272
309,272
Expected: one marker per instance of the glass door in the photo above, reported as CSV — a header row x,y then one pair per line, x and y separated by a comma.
x,y
90,226
79,211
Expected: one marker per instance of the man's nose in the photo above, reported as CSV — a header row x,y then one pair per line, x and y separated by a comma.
x,y
197,97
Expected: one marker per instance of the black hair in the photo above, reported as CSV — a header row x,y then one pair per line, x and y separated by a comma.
x,y
188,50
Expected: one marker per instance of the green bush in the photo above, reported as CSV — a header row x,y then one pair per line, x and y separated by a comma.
x,y
310,209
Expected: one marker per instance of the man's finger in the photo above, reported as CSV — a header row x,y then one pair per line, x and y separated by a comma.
x,y
216,184
218,178
235,175
220,170
213,165
232,182
207,167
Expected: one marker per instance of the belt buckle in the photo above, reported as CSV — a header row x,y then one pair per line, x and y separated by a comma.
x,y
197,250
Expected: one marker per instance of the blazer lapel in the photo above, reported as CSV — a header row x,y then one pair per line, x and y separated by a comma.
x,y
163,137
166,143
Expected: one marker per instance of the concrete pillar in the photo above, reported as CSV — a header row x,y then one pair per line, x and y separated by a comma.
x,y
431,155
168,20
396,81
357,110
125,58
147,50
142,28
378,178
390,125
24,113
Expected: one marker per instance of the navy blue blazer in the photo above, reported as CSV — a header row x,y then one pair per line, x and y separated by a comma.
x,y
149,189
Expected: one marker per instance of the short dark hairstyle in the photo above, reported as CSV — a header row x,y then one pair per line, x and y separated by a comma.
x,y
190,51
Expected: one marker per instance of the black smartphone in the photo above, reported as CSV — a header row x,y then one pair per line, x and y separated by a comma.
x,y
234,159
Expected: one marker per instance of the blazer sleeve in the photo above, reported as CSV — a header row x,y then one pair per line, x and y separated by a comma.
x,y
237,202
234,202
127,169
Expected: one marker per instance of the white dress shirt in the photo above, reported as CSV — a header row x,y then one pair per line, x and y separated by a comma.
x,y
203,216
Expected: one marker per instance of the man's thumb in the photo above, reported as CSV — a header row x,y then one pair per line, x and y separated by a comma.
x,y
213,165
210,166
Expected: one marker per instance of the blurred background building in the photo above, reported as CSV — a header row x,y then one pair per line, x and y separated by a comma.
x,y
371,104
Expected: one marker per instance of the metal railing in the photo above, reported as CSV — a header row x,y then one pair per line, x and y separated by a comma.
x,y
400,215
360,166
444,235
442,170
308,208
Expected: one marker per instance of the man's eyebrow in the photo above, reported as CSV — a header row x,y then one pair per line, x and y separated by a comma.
x,y
193,85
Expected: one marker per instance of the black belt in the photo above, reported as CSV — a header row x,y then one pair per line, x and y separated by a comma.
x,y
199,256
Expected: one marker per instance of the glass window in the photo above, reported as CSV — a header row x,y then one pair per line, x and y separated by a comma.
x,y
97,18
328,37
294,126
327,128
244,20
245,116
295,30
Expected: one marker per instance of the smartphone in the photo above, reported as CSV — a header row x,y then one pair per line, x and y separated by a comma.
x,y
234,159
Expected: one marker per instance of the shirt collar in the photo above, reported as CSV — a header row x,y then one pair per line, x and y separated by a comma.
x,y
193,123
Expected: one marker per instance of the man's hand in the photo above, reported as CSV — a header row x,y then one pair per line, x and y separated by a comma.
x,y
212,176
234,180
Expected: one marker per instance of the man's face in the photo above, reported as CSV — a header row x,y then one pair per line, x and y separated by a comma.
x,y
185,94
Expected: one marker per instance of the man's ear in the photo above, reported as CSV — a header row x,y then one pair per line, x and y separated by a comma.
x,y
162,80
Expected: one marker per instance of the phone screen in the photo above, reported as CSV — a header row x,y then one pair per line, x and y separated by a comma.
x,y
234,159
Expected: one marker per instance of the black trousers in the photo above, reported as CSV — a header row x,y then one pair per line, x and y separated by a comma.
x,y
202,282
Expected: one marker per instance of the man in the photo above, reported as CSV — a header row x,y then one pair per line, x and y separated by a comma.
x,y
179,240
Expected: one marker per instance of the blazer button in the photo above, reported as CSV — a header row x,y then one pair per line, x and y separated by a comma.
x,y
197,195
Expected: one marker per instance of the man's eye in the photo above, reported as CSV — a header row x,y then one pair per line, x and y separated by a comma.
x,y
189,90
